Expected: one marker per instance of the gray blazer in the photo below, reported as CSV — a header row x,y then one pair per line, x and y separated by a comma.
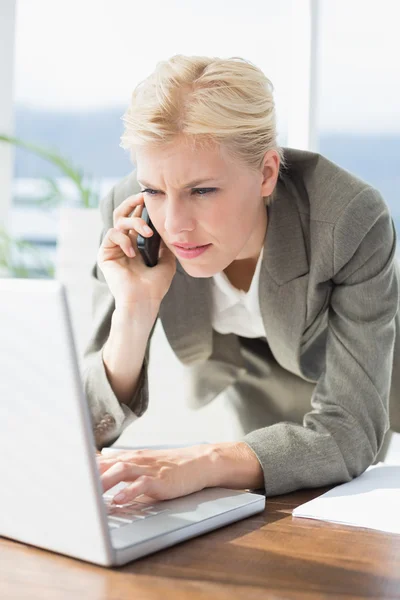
x,y
329,298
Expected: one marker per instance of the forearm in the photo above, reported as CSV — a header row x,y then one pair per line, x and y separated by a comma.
x,y
327,450
237,465
286,456
123,353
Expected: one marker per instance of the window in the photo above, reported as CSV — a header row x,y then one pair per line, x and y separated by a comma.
x,y
74,79
359,92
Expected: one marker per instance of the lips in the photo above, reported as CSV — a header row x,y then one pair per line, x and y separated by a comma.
x,y
189,246
189,253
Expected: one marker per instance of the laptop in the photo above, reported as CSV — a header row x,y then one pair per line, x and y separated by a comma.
x,y
51,493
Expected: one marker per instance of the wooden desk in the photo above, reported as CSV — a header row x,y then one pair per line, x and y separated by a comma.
x,y
270,555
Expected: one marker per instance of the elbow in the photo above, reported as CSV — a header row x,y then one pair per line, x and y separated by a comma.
x,y
360,447
358,444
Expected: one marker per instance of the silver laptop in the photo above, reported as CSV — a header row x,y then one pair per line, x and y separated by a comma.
x,y
51,494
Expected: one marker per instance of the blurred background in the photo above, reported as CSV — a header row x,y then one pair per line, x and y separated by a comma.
x,y
68,69
74,65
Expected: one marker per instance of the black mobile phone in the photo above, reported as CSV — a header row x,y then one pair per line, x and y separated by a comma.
x,y
149,246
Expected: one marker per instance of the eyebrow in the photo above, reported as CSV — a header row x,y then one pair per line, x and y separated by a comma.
x,y
188,185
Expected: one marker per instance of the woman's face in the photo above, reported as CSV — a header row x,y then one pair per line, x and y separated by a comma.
x,y
223,209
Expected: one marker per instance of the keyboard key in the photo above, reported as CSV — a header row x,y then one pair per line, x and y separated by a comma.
x,y
120,515
113,524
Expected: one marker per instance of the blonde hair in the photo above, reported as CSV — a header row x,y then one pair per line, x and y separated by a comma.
x,y
207,100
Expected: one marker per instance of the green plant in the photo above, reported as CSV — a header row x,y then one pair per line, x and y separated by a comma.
x,y
13,254
87,189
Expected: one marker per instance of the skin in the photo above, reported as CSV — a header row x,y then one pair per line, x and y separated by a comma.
x,y
234,220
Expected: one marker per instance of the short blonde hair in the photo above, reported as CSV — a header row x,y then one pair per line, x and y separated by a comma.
x,y
207,100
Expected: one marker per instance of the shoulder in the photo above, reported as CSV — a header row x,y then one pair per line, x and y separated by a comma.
x,y
324,190
342,215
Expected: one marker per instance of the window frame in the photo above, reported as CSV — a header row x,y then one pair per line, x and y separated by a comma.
x,y
7,65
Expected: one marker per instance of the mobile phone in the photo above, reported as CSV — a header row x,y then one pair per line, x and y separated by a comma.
x,y
149,246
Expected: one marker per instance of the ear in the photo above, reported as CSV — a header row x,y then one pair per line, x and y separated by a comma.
x,y
270,172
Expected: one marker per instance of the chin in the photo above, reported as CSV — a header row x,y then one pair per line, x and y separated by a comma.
x,y
198,270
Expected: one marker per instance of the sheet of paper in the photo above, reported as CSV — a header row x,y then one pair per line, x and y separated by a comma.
x,y
371,500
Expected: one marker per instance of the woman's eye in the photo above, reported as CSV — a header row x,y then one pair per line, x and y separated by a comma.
x,y
200,191
205,190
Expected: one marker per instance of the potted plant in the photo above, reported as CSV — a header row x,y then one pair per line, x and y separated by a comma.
x,y
78,237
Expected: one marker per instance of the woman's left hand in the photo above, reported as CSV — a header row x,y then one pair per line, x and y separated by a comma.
x,y
161,474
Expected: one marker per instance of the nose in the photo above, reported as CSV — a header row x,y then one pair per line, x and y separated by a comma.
x,y
178,217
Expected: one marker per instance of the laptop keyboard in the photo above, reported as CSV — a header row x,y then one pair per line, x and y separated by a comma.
x,y
122,515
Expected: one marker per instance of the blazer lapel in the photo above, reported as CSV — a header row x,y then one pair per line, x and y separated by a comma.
x,y
185,313
284,279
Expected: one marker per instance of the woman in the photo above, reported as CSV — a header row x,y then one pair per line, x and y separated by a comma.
x,y
289,303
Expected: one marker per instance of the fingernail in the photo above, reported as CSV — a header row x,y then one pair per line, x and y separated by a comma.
x,y
119,497
147,229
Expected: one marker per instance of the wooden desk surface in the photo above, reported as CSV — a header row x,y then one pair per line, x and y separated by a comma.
x,y
270,555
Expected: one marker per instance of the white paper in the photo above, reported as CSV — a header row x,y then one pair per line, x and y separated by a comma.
x,y
371,500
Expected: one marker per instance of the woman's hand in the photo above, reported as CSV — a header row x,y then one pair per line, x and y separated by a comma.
x,y
170,473
160,474
131,281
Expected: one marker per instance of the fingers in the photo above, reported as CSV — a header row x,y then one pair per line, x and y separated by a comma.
x,y
160,475
114,238
137,211
121,471
143,478
139,457
132,225
125,208
142,485
136,223
103,464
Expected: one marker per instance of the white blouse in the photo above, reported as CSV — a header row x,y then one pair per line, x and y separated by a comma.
x,y
237,311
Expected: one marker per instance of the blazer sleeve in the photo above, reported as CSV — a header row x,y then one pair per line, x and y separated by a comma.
x,y
109,416
344,430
